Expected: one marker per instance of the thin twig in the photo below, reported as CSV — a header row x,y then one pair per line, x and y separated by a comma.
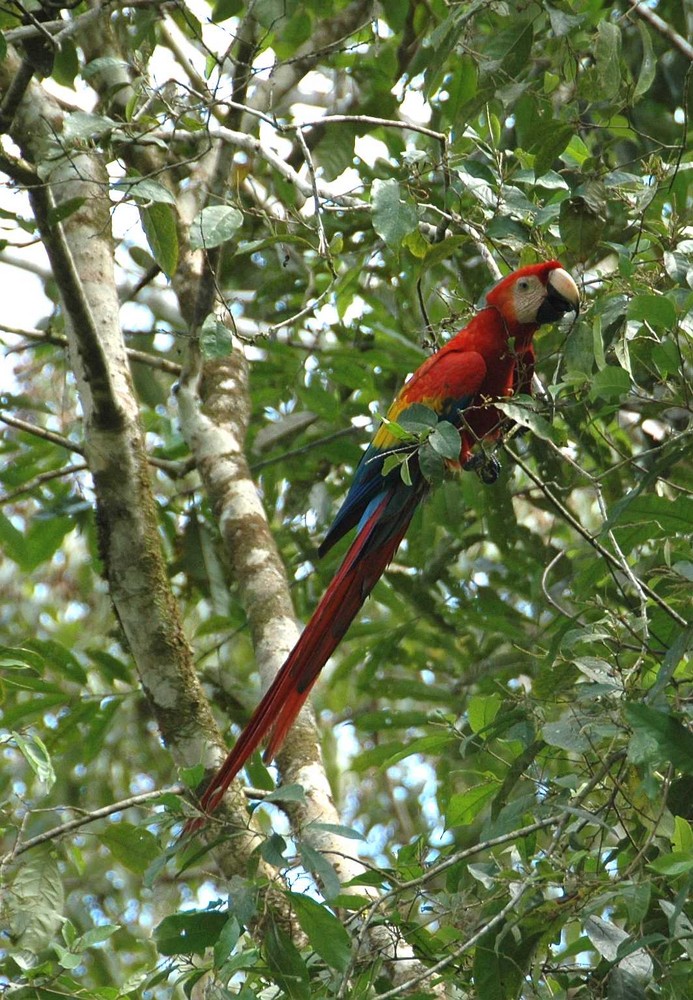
x,y
377,122
628,572
304,449
306,311
589,538
323,245
545,588
91,817
143,357
42,432
175,469
43,477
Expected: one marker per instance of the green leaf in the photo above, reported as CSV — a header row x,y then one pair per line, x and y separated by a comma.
x,y
323,870
245,248
675,863
213,226
431,464
682,837
35,753
327,935
673,656
288,969
31,548
501,959
461,86
393,218
567,734
189,933
612,941
638,518
33,903
623,985
159,224
417,418
336,151
66,64
272,850
286,793
61,659
22,659
423,744
482,710
393,461
64,209
610,383
66,958
445,440
216,340
103,64
133,846
680,924
145,190
576,152
464,807
551,138
227,941
657,310
524,414
648,64
83,126
224,9
580,227
338,829
444,250
607,53
94,936
666,739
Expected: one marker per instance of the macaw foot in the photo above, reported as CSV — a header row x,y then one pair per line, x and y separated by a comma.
x,y
487,467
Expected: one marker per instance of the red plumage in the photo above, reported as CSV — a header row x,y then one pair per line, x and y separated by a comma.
x,y
460,383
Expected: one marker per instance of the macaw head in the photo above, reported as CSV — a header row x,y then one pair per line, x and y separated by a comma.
x,y
539,293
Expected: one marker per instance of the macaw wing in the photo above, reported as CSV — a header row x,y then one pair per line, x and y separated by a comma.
x,y
368,488
447,383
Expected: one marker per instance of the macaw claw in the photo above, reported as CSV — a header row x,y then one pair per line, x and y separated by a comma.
x,y
487,467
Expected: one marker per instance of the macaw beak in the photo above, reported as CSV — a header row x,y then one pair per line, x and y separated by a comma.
x,y
562,296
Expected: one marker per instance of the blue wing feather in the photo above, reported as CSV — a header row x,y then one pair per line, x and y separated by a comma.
x,y
369,486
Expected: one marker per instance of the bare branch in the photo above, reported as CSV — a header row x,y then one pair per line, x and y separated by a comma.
x,y
323,246
641,10
42,432
21,847
142,357
43,477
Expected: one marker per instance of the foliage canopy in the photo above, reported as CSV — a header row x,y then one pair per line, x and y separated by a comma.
x,y
506,728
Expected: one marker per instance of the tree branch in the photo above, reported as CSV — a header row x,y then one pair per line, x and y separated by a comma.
x,y
665,30
42,432
21,847
81,253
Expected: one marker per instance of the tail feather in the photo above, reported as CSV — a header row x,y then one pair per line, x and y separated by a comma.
x,y
371,552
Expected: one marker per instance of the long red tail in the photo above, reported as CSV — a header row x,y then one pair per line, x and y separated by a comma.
x,y
364,564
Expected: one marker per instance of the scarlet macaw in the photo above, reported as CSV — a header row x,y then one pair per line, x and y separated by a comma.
x,y
459,383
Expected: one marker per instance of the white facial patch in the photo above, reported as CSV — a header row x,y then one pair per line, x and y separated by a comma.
x,y
528,295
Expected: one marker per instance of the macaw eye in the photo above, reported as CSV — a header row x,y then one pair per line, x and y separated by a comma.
x,y
523,284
